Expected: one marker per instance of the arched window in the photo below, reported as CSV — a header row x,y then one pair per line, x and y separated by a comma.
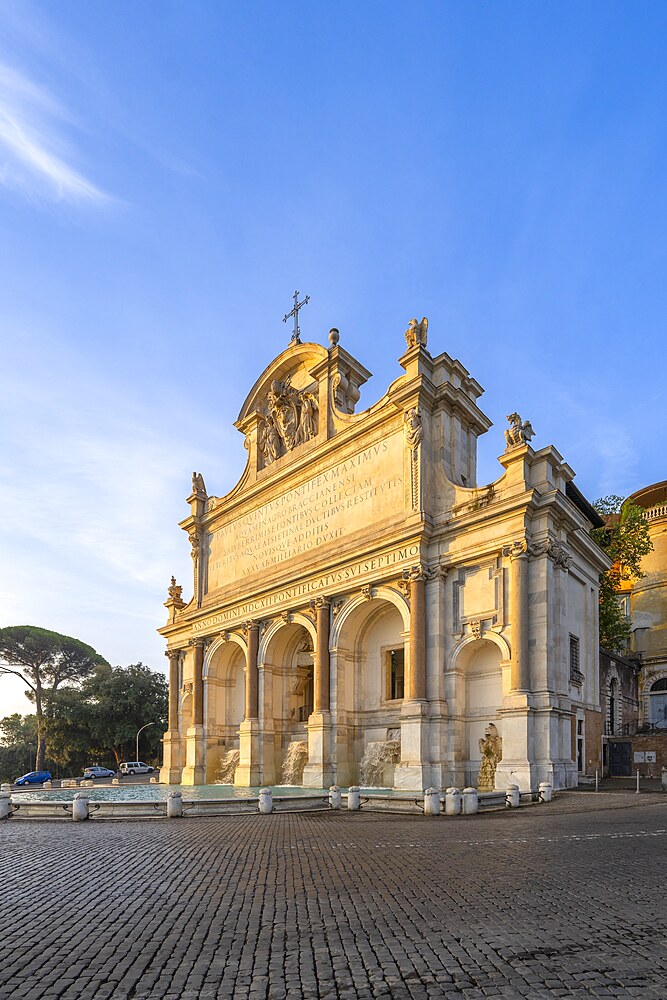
x,y
658,703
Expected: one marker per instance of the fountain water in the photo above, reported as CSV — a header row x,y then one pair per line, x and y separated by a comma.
x,y
377,756
296,759
226,768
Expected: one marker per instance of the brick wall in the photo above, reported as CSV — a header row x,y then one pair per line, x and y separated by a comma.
x,y
657,742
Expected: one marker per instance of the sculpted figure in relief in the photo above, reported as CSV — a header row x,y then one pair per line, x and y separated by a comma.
x,y
413,427
307,427
269,440
415,335
491,748
519,432
291,420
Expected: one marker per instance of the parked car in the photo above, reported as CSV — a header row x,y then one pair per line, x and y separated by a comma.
x,y
33,778
97,772
135,767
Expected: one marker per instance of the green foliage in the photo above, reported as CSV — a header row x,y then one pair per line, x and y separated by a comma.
x,y
625,539
44,660
95,723
119,701
18,745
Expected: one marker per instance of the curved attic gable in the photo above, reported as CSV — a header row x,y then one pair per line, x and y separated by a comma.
x,y
299,362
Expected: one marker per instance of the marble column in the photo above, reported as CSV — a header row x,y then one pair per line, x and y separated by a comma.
x,y
320,771
252,674
322,694
195,739
170,772
198,684
249,771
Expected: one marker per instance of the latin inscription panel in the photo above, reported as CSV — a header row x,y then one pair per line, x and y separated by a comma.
x,y
314,516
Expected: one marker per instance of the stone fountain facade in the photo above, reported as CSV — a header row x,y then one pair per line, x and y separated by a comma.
x,y
357,583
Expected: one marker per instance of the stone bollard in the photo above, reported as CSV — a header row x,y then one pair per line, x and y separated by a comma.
x,y
545,791
5,805
265,801
470,801
174,805
664,779
80,806
354,797
335,797
432,802
512,797
47,784
115,781
153,780
5,787
452,801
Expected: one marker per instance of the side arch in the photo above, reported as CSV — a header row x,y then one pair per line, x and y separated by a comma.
x,y
359,600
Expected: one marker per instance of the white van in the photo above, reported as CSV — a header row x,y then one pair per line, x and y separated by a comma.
x,y
135,767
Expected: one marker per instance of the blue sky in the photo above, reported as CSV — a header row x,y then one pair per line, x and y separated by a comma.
x,y
171,172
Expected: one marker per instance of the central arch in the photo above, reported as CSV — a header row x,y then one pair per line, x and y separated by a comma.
x,y
369,658
286,670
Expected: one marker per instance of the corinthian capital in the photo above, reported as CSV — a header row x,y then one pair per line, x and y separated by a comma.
x,y
418,572
517,549
320,602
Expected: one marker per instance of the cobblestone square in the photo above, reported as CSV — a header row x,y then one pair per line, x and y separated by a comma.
x,y
565,900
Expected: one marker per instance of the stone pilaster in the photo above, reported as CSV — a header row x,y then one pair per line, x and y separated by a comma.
x,y
320,770
517,715
194,772
518,554
170,772
413,771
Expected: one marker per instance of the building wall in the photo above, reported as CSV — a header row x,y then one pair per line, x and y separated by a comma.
x,y
366,512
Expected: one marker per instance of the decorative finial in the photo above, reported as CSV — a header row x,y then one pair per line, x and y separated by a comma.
x,y
519,432
334,336
296,333
415,335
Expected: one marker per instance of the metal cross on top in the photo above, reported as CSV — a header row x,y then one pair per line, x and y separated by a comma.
x,y
296,338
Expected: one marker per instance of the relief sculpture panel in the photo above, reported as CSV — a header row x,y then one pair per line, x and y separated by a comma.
x,y
290,419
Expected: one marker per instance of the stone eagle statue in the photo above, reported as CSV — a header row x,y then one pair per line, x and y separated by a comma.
x,y
519,432
415,335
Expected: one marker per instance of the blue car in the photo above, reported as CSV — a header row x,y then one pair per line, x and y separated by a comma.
x,y
34,778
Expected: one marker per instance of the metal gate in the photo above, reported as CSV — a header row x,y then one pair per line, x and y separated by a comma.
x,y
620,760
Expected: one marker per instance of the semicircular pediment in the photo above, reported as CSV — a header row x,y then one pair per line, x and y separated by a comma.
x,y
296,363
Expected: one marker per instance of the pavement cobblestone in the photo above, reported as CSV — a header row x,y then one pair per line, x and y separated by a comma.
x,y
564,901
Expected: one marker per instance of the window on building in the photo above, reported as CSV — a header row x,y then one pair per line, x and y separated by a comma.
x,y
658,703
395,659
575,670
624,604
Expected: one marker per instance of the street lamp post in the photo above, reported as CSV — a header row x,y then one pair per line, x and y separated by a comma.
x,y
141,731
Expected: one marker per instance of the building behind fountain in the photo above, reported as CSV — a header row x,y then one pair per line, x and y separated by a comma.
x,y
358,588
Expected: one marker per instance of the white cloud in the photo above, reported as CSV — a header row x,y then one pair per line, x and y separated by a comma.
x,y
35,152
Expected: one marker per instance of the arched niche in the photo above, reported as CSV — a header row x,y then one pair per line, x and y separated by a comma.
x,y
482,677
